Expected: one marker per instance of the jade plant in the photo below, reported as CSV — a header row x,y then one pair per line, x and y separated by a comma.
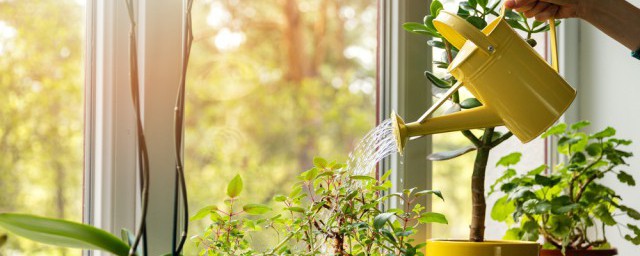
x,y
475,12
328,212
569,207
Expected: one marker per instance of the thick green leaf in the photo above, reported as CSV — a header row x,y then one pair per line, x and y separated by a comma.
x,y
441,156
560,225
510,159
256,209
435,8
555,130
502,209
421,29
433,217
477,22
516,24
470,103
437,81
436,43
235,186
62,233
483,3
626,178
381,219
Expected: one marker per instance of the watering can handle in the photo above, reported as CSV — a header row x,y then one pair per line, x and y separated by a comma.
x,y
457,31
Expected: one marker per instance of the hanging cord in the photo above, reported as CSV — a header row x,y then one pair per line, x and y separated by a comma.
x,y
178,120
143,156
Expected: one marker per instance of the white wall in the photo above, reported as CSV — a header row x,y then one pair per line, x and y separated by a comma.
x,y
609,91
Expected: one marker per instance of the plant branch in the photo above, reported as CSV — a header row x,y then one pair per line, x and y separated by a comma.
x,y
503,138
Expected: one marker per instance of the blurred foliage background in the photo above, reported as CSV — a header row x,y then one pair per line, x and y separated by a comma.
x,y
271,85
41,113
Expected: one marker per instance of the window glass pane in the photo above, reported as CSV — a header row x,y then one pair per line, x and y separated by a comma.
x,y
271,85
41,113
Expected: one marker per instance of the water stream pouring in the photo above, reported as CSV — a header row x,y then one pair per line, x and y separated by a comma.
x,y
516,87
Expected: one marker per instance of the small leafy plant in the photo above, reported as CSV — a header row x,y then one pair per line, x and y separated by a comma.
x,y
569,207
475,12
328,212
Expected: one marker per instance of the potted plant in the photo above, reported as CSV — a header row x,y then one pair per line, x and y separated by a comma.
x,y
328,212
569,207
475,12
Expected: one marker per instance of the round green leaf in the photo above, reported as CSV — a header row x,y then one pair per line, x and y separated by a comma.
x,y
470,103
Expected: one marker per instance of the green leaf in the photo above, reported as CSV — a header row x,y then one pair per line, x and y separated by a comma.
x,y
502,209
544,28
381,219
555,130
579,125
602,212
594,149
477,22
483,3
607,132
626,178
510,159
470,103
441,156
510,14
203,212
420,29
62,233
512,234
295,209
436,43
435,8
235,187
636,231
630,212
560,225
433,217
432,192
279,198
516,24
562,205
256,209
320,162
310,174
129,237
437,81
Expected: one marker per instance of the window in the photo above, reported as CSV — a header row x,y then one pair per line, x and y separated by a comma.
x,y
41,127
272,84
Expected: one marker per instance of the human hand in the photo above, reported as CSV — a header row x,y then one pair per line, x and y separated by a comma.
x,y
543,10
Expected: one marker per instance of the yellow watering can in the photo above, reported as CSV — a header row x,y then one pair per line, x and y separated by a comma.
x,y
517,88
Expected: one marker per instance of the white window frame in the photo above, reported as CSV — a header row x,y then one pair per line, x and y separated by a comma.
x,y
110,163
403,58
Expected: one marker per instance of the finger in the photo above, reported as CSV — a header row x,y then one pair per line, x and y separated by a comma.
x,y
541,6
549,12
526,7
513,4
559,2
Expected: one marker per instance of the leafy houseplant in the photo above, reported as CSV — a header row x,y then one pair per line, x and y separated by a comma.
x,y
569,207
475,12
329,212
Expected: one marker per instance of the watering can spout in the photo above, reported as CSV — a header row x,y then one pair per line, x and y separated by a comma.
x,y
480,117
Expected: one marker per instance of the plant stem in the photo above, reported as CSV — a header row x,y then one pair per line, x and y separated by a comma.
x,y
479,205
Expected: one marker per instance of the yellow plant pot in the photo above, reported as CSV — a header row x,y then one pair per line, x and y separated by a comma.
x,y
486,248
